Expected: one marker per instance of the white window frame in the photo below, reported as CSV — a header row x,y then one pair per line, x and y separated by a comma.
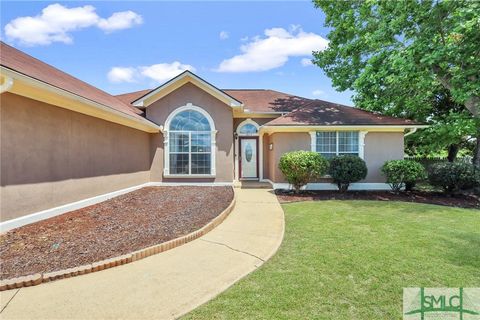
x,y
248,121
361,141
166,143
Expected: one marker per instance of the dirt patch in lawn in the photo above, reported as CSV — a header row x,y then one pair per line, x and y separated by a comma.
x,y
118,226
462,201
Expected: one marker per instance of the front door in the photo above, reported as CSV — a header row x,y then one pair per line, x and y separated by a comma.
x,y
248,157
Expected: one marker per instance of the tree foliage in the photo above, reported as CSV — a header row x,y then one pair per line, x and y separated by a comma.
x,y
411,58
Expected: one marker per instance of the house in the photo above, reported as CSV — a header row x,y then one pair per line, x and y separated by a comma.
x,y
64,141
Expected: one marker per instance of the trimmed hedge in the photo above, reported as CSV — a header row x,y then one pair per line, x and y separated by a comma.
x,y
347,169
454,177
302,167
403,173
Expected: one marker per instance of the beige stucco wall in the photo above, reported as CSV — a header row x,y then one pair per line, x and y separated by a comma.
x,y
52,156
222,116
284,142
379,147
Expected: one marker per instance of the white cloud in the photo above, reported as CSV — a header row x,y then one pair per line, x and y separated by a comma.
x,y
160,72
122,74
164,71
55,23
119,21
306,62
318,93
224,35
273,50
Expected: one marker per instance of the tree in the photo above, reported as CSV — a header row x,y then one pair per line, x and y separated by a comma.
x,y
398,55
452,128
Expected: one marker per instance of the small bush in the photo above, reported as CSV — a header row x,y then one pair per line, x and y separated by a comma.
x,y
403,173
347,169
454,177
302,167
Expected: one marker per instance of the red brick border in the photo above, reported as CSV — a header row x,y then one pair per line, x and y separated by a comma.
x,y
38,278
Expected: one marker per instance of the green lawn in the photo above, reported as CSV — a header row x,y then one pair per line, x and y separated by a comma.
x,y
351,259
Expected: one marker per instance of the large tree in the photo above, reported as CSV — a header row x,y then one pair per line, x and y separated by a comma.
x,y
399,56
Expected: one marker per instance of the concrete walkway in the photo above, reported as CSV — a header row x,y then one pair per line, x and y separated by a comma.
x,y
166,285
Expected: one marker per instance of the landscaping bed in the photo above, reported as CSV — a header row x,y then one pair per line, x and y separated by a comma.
x,y
118,226
462,201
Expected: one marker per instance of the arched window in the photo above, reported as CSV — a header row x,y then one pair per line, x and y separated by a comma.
x,y
247,128
190,144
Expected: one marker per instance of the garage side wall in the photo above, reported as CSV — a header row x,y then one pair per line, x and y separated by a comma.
x,y
52,156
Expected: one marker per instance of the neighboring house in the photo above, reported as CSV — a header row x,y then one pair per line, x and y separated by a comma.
x,y
63,140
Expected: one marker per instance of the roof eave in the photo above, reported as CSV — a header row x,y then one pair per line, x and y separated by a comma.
x,y
131,121
369,127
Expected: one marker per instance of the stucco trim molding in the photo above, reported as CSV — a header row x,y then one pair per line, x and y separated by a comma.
x,y
6,84
178,81
331,186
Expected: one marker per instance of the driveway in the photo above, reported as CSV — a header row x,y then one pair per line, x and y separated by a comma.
x,y
166,285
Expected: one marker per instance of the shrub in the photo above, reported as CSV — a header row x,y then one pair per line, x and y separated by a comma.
x,y
347,169
454,176
403,173
302,167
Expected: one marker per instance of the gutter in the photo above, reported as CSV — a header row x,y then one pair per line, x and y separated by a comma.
x,y
11,74
412,131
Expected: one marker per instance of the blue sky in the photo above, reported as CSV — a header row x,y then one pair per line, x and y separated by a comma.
x,y
127,46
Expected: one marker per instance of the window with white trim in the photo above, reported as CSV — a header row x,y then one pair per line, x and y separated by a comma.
x,y
248,129
190,144
335,143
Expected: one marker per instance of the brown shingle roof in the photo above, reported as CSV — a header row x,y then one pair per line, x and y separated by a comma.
x,y
256,100
132,96
21,62
323,113
260,100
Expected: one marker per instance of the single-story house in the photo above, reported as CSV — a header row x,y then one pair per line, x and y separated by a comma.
x,y
64,141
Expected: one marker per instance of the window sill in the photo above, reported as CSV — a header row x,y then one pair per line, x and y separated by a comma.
x,y
186,176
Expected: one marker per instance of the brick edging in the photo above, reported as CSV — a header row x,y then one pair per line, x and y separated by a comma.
x,y
38,278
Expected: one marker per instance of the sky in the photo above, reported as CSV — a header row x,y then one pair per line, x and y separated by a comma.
x,y
127,46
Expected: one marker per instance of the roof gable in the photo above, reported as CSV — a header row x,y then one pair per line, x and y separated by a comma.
x,y
180,80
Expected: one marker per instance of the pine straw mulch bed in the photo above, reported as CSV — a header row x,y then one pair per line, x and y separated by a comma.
x,y
115,227
462,201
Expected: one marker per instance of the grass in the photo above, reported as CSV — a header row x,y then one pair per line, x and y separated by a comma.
x,y
352,259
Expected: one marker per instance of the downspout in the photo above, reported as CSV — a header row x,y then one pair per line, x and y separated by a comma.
x,y
6,85
411,132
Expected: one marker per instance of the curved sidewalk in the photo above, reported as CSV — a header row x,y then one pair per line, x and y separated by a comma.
x,y
166,285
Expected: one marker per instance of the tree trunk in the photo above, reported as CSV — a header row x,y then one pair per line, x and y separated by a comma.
x,y
476,152
452,152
